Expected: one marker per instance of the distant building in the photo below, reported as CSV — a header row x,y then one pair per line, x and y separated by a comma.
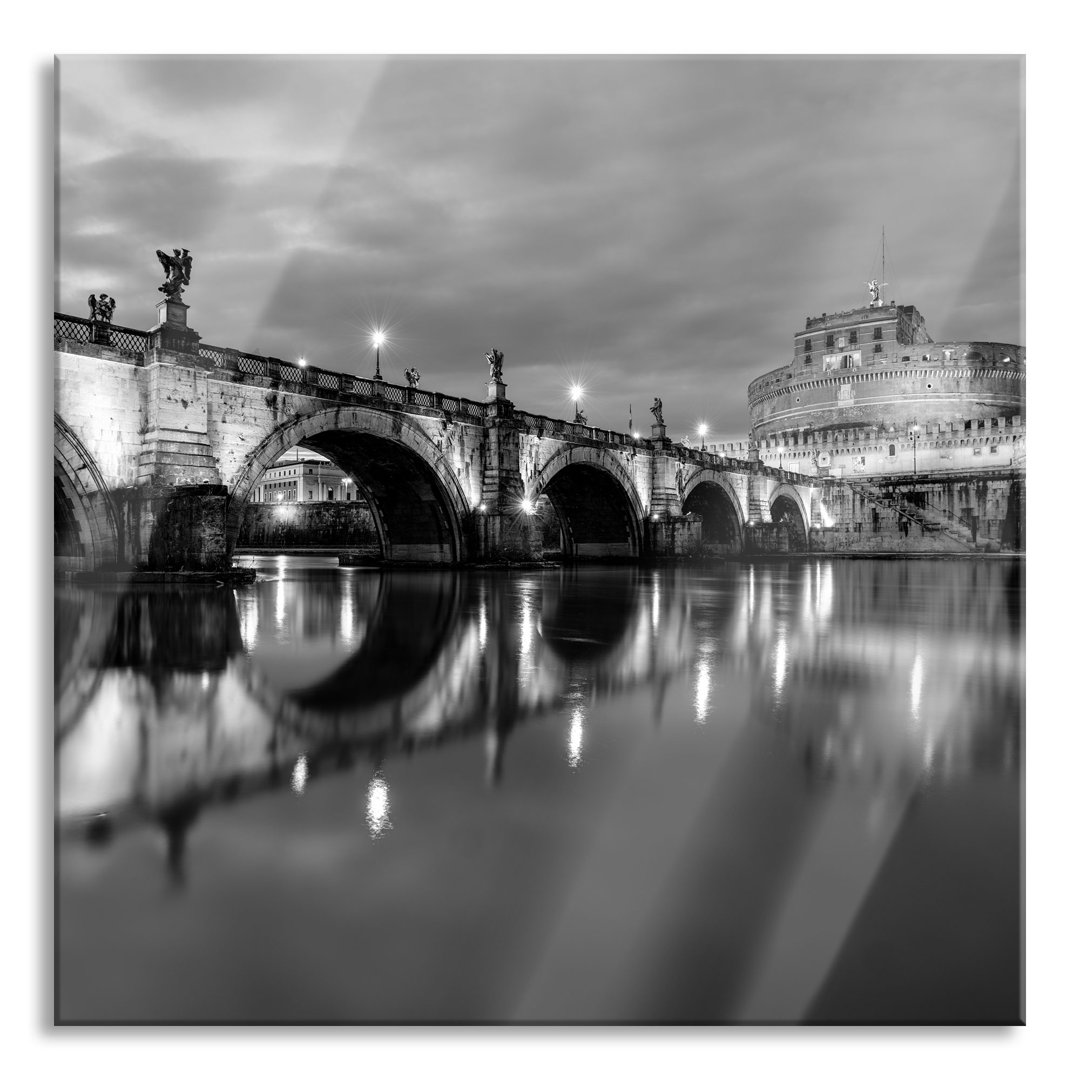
x,y
868,392
306,480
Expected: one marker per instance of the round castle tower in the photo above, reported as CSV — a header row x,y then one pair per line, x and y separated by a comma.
x,y
877,367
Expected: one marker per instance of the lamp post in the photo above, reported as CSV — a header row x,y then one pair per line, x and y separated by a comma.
x,y
576,393
702,429
377,339
914,435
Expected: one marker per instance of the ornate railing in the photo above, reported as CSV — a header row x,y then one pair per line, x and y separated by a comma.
x,y
124,339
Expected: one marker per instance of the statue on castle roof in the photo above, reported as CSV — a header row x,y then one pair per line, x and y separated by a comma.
x,y
495,363
101,308
177,267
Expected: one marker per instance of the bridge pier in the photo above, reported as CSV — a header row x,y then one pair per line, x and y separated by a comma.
x,y
506,527
184,527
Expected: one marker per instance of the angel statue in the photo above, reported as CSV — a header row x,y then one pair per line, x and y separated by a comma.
x,y
580,417
657,409
177,267
495,361
101,308
875,291
412,377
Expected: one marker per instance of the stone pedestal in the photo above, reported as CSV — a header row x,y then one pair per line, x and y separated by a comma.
x,y
99,333
172,333
659,432
496,390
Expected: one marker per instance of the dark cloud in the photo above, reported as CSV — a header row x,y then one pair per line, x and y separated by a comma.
x,y
655,225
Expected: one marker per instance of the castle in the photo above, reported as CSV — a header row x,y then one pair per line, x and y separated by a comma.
x,y
936,428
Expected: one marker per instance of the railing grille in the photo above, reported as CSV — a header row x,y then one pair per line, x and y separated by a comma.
x,y
291,374
328,380
123,339
212,352
394,393
250,365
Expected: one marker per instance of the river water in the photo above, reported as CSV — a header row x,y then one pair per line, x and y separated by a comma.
x,y
748,792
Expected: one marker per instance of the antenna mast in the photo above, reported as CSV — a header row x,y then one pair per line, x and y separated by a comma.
x,y
883,263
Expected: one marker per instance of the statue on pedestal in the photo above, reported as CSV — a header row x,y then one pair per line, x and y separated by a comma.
x,y
657,409
495,362
580,417
412,377
101,308
177,267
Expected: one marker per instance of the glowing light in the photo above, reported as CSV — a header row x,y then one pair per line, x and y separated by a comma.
x,y
781,664
528,507
575,740
576,391
205,679
347,615
299,775
702,690
279,604
378,337
637,434
655,605
378,807
916,685
483,508
302,362
526,630
482,626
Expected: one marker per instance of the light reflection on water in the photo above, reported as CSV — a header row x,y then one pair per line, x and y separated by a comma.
x,y
796,774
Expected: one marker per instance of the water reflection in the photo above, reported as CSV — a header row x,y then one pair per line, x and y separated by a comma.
x,y
809,705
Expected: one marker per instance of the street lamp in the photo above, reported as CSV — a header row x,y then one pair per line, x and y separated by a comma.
x,y
702,429
914,435
377,339
577,392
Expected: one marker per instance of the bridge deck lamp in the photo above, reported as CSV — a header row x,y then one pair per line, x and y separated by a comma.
x,y
302,362
914,435
702,429
377,339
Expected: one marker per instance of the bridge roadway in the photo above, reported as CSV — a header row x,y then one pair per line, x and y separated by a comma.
x,y
160,441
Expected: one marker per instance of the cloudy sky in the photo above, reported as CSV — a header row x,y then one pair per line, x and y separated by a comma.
x,y
650,226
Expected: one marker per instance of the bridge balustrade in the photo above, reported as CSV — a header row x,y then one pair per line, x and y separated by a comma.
x,y
124,339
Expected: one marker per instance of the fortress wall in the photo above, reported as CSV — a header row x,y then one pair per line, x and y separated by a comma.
x,y
887,395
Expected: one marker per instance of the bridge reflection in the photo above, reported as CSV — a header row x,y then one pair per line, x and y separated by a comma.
x,y
172,700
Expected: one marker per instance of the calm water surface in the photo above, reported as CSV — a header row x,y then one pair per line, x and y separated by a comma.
x,y
784,792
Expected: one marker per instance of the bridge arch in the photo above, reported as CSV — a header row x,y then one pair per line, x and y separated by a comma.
x,y
710,493
417,501
596,501
786,508
85,525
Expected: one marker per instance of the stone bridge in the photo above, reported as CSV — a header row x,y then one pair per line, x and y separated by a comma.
x,y
161,439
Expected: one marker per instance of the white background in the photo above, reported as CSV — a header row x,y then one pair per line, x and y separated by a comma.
x,y
34,33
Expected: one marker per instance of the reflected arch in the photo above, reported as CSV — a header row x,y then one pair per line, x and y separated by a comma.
x,y
786,508
414,496
710,494
597,505
85,525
